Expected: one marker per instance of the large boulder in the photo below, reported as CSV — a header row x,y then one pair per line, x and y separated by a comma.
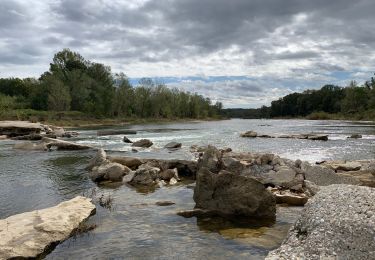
x,y
145,143
337,223
228,194
109,172
29,235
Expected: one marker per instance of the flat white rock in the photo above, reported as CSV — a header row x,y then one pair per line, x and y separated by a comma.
x,y
29,234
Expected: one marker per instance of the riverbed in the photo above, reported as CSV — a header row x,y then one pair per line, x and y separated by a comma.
x,y
137,228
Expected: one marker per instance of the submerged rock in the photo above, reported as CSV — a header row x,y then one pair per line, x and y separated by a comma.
x,y
31,146
337,223
28,235
164,203
251,134
143,143
355,136
116,132
173,145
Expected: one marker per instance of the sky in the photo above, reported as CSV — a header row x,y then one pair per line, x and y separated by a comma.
x,y
243,53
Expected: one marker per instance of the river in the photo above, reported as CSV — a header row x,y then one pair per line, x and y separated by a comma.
x,y
135,228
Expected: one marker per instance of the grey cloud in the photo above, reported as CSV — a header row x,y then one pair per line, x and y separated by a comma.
x,y
301,41
297,55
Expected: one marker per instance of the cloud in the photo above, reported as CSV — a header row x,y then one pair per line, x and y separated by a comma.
x,y
279,43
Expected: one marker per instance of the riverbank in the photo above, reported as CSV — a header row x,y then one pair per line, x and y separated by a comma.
x,y
80,119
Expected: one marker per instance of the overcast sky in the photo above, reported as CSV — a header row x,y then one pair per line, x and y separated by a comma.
x,y
243,53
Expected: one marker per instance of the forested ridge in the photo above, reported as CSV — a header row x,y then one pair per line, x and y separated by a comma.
x,y
351,102
76,84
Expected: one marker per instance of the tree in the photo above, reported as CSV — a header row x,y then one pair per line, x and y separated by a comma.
x,y
58,94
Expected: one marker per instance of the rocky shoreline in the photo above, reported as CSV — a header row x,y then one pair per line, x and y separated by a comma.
x,y
232,184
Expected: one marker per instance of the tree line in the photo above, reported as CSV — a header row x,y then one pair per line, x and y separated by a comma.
x,y
76,84
353,100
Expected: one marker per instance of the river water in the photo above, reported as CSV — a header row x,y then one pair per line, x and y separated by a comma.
x,y
135,228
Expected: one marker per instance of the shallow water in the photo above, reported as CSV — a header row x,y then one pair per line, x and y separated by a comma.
x,y
136,227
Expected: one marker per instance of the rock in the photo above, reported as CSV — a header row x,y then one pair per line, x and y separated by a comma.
x,y
17,128
362,177
311,188
345,166
168,174
173,181
30,234
323,176
230,194
31,146
147,176
99,159
355,136
33,137
3,137
58,131
280,178
266,158
211,159
70,134
318,137
116,132
184,168
265,136
232,165
173,145
64,145
109,172
131,162
251,134
126,140
195,213
143,143
337,223
290,198
164,203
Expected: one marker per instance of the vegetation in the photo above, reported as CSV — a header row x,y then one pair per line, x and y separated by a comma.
x,y
329,102
75,87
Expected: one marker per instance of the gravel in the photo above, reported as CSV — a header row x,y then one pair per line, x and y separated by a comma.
x,y
337,223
